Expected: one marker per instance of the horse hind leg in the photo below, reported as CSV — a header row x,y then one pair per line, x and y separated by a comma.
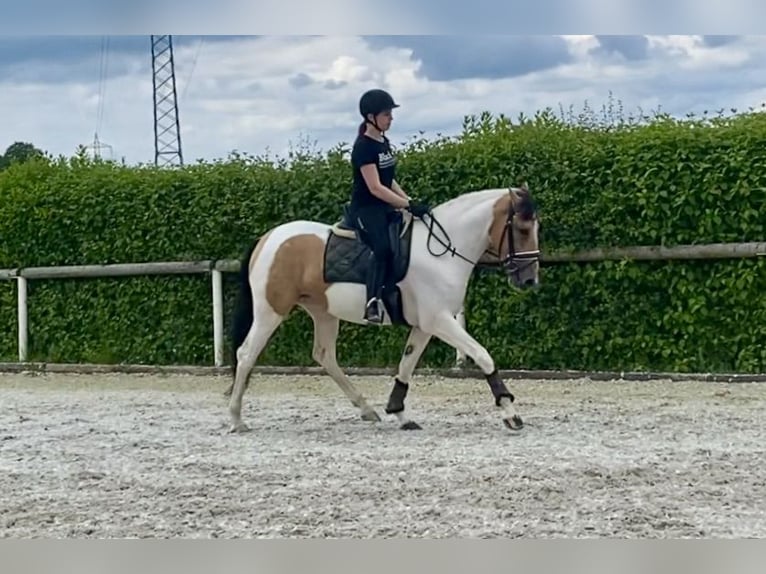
x,y
416,344
324,352
265,322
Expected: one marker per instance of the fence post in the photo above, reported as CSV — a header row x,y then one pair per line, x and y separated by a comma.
x,y
21,284
217,317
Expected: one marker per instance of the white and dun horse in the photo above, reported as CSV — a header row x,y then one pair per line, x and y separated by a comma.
x,y
285,269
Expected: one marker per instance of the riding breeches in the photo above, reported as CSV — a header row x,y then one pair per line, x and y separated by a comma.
x,y
373,223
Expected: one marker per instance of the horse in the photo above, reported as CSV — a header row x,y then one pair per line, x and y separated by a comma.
x,y
321,268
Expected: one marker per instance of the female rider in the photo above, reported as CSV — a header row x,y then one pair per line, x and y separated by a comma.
x,y
376,193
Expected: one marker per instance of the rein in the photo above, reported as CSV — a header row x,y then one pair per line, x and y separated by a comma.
x,y
508,262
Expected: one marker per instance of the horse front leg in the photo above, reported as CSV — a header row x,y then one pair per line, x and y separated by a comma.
x,y
447,328
460,358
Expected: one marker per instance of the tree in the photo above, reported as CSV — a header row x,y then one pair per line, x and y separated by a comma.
x,y
19,152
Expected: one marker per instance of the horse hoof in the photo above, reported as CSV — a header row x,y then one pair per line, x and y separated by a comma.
x,y
239,428
371,416
514,423
411,425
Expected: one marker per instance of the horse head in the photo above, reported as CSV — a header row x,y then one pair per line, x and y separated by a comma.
x,y
513,238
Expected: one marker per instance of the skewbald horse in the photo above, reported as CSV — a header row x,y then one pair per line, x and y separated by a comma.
x,y
286,268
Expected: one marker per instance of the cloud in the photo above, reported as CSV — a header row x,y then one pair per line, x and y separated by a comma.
x,y
629,47
254,94
66,59
300,80
445,58
719,40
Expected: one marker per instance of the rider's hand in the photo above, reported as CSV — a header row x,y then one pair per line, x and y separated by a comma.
x,y
418,209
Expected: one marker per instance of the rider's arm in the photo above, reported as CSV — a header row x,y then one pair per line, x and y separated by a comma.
x,y
398,190
371,178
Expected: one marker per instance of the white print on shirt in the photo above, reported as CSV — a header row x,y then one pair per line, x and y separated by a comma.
x,y
385,159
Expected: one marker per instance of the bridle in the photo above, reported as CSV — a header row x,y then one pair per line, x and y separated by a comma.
x,y
513,263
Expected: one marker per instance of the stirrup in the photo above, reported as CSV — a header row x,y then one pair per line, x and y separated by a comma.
x,y
376,315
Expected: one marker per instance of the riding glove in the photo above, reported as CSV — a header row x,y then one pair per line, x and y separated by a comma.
x,y
418,209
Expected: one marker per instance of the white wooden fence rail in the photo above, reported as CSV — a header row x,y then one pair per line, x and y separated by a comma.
x,y
217,268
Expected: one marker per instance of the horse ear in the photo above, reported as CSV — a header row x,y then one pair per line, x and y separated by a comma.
x,y
520,191
522,201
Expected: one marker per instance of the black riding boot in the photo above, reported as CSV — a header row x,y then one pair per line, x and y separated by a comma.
x,y
375,275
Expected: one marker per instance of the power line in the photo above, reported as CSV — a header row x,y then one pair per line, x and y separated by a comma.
x,y
193,66
103,74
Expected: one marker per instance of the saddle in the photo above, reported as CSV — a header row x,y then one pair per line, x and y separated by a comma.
x,y
347,257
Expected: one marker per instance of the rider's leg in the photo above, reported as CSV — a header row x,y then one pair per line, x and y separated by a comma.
x,y
376,279
375,225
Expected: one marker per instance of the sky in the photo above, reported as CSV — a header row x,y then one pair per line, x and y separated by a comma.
x,y
264,94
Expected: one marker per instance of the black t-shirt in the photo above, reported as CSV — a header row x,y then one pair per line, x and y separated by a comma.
x,y
367,150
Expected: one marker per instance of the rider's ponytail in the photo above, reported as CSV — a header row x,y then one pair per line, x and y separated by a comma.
x,y
362,128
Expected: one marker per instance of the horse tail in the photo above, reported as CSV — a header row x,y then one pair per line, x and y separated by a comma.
x,y
242,317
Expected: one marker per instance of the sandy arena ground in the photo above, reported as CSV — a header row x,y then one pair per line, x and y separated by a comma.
x,y
149,456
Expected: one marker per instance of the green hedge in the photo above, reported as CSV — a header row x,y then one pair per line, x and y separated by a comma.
x,y
658,181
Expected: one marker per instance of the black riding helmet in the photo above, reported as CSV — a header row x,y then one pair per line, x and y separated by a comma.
x,y
375,101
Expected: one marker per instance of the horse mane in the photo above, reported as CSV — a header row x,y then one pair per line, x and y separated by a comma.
x,y
471,196
527,207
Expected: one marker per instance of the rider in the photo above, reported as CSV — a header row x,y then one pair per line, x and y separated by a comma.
x,y
376,193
